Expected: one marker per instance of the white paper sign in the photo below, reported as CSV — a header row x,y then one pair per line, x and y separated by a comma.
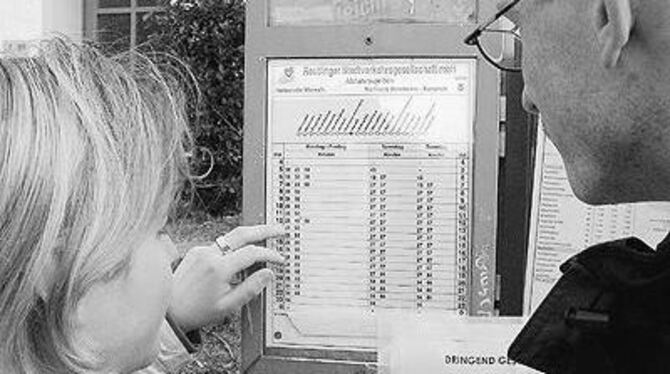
x,y
433,343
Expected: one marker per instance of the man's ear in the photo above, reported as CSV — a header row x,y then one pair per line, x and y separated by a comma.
x,y
613,20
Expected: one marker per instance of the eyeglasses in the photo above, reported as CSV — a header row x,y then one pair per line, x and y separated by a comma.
x,y
488,41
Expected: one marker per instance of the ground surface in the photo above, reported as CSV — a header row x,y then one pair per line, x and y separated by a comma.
x,y
221,349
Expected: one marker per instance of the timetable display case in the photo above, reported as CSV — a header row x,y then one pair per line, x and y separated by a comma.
x,y
377,145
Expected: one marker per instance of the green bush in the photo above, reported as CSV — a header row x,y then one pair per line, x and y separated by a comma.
x,y
208,35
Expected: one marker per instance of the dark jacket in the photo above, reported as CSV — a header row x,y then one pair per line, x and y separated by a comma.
x,y
609,313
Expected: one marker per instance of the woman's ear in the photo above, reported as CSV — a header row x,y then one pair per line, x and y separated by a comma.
x,y
613,22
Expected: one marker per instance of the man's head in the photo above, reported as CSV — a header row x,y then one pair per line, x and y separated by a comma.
x,y
599,73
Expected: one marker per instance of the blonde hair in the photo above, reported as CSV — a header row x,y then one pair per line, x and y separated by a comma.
x,y
92,153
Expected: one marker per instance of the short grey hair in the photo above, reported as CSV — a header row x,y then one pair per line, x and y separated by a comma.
x,y
92,153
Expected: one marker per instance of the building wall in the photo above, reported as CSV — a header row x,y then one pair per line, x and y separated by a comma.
x,y
22,20
63,16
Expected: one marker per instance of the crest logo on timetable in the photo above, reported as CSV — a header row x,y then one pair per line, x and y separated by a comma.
x,y
287,76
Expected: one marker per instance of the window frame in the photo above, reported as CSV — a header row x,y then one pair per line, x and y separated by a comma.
x,y
92,10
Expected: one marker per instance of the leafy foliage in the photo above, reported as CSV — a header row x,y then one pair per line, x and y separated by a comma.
x,y
208,35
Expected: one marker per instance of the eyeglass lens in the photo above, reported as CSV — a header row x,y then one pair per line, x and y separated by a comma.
x,y
498,43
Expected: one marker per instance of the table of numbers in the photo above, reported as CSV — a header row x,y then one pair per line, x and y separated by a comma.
x,y
371,226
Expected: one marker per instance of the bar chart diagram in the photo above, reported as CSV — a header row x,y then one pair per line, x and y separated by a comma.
x,y
363,117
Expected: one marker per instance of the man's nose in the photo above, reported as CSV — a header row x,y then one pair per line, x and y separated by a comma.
x,y
528,103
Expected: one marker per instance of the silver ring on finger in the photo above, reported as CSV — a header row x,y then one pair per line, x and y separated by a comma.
x,y
223,246
236,279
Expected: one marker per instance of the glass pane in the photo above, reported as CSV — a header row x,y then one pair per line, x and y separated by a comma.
x,y
114,32
338,12
113,3
148,2
144,28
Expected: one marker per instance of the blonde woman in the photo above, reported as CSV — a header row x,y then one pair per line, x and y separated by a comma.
x,y
91,157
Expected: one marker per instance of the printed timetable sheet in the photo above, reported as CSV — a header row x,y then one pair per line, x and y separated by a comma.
x,y
369,169
562,226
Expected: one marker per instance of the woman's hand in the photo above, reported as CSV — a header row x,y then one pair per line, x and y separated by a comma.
x,y
202,290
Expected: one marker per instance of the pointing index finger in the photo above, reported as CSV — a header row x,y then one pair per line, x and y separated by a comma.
x,y
249,255
245,235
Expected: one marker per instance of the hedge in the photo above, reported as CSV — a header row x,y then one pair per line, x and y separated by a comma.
x,y
208,35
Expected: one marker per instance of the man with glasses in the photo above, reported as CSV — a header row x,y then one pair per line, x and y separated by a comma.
x,y
598,72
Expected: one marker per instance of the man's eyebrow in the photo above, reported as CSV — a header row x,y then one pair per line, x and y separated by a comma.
x,y
502,3
512,13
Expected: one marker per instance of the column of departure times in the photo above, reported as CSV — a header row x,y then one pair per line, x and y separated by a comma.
x,y
371,226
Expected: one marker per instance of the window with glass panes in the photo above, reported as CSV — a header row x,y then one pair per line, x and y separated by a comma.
x,y
118,24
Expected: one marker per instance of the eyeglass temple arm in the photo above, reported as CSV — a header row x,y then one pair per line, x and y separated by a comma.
x,y
472,38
